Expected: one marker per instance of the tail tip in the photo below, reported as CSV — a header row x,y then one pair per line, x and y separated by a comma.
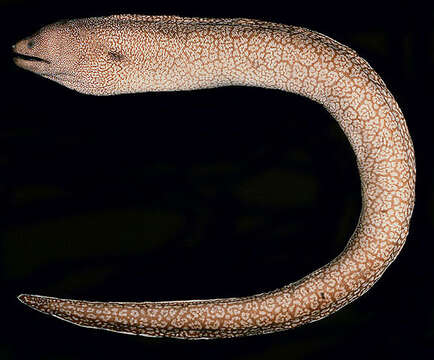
x,y
23,298
34,301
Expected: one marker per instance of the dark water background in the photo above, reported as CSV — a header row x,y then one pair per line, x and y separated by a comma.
x,y
214,193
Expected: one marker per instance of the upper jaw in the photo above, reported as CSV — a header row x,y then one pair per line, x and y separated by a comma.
x,y
26,60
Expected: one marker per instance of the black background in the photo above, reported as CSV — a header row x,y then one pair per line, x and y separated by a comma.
x,y
214,193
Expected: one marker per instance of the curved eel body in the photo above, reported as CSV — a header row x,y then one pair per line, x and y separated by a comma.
x,y
132,53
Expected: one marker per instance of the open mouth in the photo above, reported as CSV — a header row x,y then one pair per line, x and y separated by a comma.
x,y
29,58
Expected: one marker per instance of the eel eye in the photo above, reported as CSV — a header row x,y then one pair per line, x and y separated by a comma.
x,y
30,44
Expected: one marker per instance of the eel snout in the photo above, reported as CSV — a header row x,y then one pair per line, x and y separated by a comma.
x,y
28,59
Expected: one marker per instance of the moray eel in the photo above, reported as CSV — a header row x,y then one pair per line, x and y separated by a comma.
x,y
132,53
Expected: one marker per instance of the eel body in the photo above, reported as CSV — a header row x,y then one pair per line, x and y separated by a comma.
x,y
132,53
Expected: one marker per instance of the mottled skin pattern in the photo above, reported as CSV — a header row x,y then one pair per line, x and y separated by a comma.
x,y
131,53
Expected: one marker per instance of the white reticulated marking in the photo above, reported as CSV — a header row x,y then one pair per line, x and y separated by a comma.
x,y
154,53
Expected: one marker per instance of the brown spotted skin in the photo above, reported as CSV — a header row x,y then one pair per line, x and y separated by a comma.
x,y
132,53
